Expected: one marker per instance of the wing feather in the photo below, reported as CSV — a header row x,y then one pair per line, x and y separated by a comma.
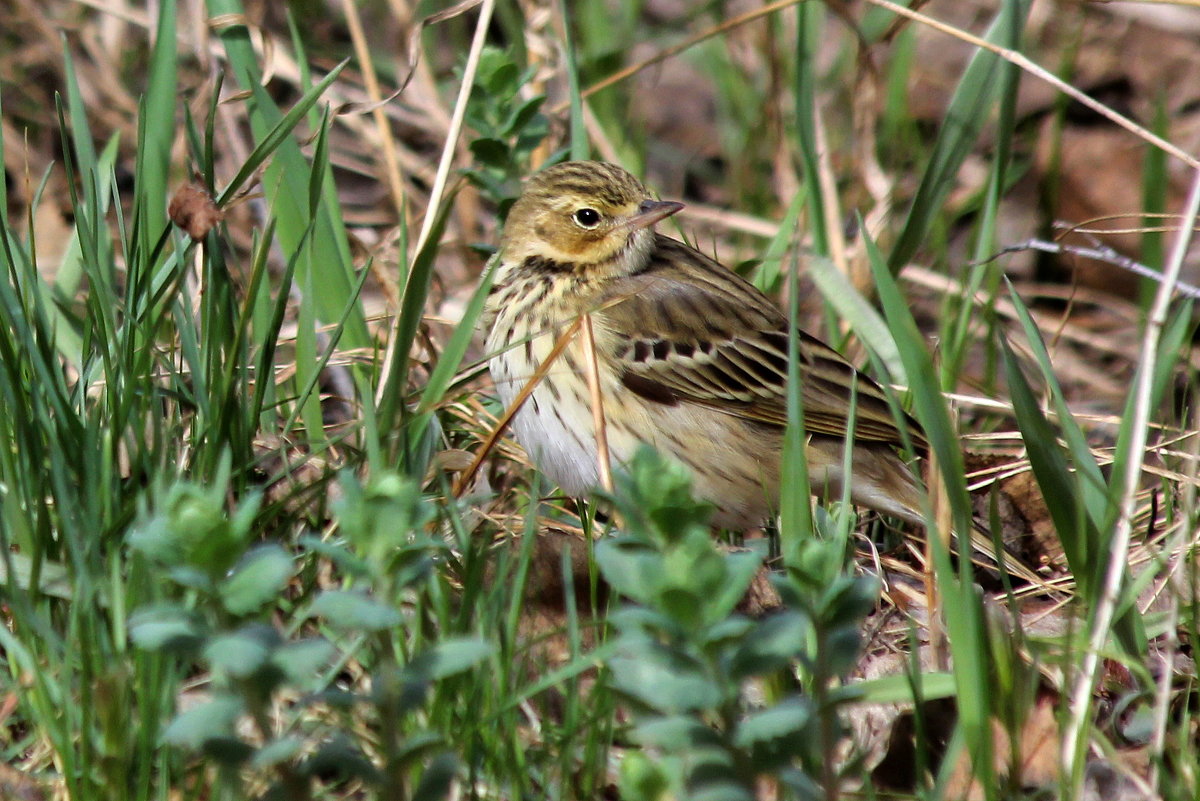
x,y
707,336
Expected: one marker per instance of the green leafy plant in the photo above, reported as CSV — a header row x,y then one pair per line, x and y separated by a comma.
x,y
273,712
688,661
508,127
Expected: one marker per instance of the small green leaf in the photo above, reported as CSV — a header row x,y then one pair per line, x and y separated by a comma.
x,y
783,720
655,497
740,569
842,645
641,778
256,580
341,759
165,628
721,790
676,733
347,609
336,552
277,752
665,681
630,568
522,115
772,644
449,657
243,652
201,725
492,152
301,660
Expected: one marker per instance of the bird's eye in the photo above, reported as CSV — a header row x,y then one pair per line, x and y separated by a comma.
x,y
586,218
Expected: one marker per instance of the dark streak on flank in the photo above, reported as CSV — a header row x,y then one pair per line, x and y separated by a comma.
x,y
648,389
552,388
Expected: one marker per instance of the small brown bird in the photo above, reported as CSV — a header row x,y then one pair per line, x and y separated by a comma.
x,y
692,359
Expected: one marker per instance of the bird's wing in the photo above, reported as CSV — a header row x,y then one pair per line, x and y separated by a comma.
x,y
704,335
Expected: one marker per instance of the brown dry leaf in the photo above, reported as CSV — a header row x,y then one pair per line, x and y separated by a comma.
x,y
193,210
1027,530
1036,749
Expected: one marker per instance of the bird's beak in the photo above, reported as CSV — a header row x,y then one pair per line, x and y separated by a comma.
x,y
650,212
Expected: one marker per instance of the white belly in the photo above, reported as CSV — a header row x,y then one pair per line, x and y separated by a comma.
x,y
558,433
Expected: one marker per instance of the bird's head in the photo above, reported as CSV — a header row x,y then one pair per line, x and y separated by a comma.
x,y
581,216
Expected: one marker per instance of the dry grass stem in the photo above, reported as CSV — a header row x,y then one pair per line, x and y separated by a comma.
x,y
604,463
383,129
560,345
1075,730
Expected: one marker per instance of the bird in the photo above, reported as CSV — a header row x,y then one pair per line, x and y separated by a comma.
x,y
691,359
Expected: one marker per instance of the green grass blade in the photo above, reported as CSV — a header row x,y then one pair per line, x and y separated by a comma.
x,y
1093,489
770,271
961,603
451,356
808,43
412,309
579,139
1075,528
154,148
796,525
970,108
326,277
955,333
850,306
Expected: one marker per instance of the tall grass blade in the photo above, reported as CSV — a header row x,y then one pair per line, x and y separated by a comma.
x,y
327,276
579,140
808,43
962,605
969,110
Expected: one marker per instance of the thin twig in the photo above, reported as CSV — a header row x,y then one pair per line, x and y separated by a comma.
x,y
1098,252
387,143
592,368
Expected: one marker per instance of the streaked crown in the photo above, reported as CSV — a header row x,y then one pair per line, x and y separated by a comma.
x,y
581,214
